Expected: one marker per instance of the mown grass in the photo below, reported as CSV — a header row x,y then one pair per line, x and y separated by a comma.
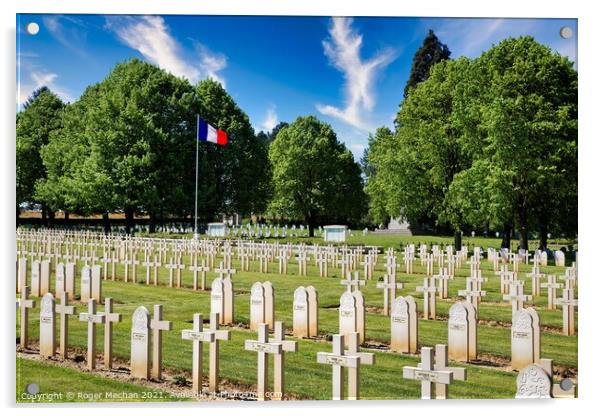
x,y
396,241
304,377
77,386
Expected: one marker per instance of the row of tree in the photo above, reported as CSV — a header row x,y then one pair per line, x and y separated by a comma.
x,y
487,143
128,144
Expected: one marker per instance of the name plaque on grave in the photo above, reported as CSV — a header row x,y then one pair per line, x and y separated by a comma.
x,y
425,376
137,336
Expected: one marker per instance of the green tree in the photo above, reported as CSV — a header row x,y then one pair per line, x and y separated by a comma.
x,y
126,134
517,109
415,166
129,144
314,175
431,52
39,118
238,174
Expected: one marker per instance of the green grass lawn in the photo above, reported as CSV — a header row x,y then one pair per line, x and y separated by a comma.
x,y
399,241
59,384
304,377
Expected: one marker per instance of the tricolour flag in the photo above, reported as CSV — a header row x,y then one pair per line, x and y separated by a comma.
x,y
207,133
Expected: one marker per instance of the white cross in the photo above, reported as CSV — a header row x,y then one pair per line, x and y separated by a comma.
x,y
353,280
426,373
197,336
290,346
389,286
158,325
429,289
568,303
551,285
516,297
92,318
110,317
338,360
64,311
263,348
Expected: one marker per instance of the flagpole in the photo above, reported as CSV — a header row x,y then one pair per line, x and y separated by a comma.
x,y
196,184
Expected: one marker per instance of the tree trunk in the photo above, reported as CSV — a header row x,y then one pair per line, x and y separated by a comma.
x,y
129,220
543,237
106,222
66,214
310,224
507,235
50,218
458,240
152,223
522,228
18,219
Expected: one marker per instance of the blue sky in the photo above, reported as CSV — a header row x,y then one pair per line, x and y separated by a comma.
x,y
349,72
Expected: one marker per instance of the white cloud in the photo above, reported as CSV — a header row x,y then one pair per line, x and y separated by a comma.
x,y
470,37
72,37
150,36
343,51
38,79
357,148
271,120
212,63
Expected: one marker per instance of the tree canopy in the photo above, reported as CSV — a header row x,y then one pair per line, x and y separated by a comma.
x,y
315,177
129,144
39,119
431,52
489,142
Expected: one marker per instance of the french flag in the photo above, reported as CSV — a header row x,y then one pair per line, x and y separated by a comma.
x,y
207,133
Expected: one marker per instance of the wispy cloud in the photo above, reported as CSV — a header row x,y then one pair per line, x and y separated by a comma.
x,y
37,79
343,51
212,63
470,37
72,37
151,36
271,119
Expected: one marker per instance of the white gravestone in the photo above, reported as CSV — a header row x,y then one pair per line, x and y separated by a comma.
x,y
96,283
533,383
228,301
86,284
404,325
559,258
257,315
312,295
268,292
140,344
59,281
35,278
462,332
347,314
47,326
300,313
217,298
360,315
70,280
44,277
525,344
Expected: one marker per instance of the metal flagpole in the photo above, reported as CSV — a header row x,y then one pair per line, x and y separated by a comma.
x,y
196,185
